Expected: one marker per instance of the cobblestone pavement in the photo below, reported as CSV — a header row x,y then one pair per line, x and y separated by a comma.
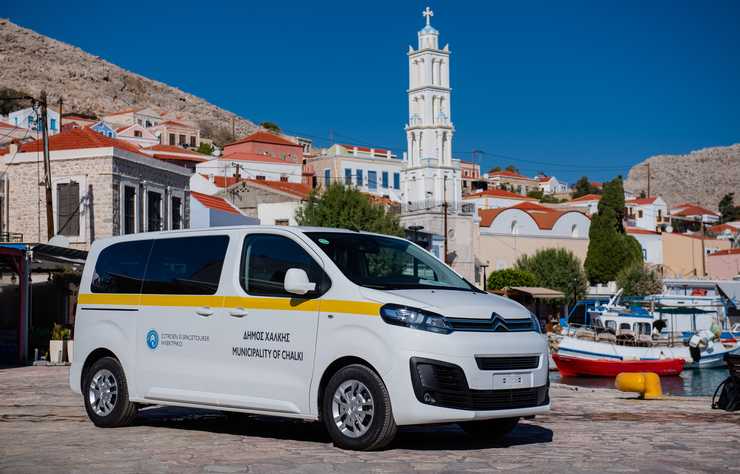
x,y
43,428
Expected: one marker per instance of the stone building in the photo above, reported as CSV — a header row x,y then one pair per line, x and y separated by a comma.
x,y
102,187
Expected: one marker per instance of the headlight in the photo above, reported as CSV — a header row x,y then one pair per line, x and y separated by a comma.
x,y
414,318
535,323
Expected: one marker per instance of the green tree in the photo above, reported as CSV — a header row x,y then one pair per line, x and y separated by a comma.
x,y
610,249
347,208
271,126
639,280
557,269
583,186
8,102
512,169
727,208
536,193
495,169
550,199
508,277
205,148
613,198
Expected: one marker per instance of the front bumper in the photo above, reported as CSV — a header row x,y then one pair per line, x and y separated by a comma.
x,y
444,379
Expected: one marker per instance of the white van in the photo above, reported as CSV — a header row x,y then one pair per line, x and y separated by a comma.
x,y
362,331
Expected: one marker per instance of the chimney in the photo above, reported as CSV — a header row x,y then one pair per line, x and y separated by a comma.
x,y
13,148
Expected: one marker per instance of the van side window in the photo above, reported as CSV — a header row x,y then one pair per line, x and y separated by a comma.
x,y
186,265
120,267
267,258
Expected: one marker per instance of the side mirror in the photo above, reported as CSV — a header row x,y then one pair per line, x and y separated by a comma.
x,y
296,282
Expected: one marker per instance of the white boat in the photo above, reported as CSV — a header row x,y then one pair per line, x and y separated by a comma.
x,y
617,332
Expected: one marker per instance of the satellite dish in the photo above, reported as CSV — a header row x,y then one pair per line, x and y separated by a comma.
x,y
59,241
669,229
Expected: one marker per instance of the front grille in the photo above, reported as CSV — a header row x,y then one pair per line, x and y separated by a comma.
x,y
443,384
495,324
508,363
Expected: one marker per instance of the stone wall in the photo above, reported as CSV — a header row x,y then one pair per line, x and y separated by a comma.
x,y
246,198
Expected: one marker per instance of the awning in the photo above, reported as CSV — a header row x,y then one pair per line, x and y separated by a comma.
x,y
538,292
58,254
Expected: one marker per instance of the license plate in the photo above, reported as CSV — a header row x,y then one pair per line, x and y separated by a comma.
x,y
515,380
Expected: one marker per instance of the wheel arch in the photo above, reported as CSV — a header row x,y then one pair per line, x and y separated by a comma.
x,y
335,367
93,357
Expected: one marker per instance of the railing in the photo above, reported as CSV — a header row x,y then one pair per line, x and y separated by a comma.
x,y
431,205
11,237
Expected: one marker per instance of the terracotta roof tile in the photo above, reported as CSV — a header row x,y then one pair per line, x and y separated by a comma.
x,y
365,149
265,137
587,197
79,138
642,201
716,229
223,181
693,210
214,202
244,156
637,230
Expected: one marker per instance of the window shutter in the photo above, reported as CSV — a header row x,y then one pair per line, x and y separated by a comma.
x,y
68,206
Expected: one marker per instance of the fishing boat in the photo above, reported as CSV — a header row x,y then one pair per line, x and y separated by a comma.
x,y
575,366
618,332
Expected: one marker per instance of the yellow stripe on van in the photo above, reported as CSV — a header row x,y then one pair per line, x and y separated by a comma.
x,y
278,304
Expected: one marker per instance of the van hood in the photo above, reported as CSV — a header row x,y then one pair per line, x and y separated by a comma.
x,y
452,303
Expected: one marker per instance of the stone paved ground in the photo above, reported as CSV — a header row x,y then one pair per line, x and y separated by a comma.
x,y
43,428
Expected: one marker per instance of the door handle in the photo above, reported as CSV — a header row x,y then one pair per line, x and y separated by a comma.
x,y
205,311
238,312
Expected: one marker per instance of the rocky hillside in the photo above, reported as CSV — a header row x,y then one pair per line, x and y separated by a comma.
x,y
702,176
91,85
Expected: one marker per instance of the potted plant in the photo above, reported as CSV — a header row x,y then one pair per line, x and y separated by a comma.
x,y
59,335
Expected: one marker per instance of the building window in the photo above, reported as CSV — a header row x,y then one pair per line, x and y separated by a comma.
x,y
137,133
574,231
260,177
639,214
327,177
140,122
515,228
68,209
128,210
182,140
282,222
396,180
660,215
153,211
384,179
176,212
347,176
282,156
372,180
53,124
148,124
284,179
358,177
172,139
192,141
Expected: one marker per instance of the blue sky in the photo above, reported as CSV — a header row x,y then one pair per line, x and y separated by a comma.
x,y
569,88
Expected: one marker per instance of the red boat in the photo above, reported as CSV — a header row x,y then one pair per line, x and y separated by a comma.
x,y
573,366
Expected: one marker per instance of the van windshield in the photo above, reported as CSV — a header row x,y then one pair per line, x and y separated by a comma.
x,y
385,263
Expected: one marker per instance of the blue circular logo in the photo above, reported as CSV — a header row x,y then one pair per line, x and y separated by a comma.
x,y
152,339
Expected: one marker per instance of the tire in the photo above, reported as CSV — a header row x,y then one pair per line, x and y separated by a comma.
x,y
355,428
489,430
105,392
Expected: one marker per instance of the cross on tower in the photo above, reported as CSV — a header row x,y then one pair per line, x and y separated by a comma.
x,y
428,13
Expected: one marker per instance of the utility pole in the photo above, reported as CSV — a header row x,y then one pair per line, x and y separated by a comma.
x,y
233,129
61,110
444,208
47,167
648,179
703,250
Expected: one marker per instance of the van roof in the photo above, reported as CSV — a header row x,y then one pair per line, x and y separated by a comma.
x,y
301,229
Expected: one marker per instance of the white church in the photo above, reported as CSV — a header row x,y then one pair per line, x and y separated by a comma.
x,y
431,180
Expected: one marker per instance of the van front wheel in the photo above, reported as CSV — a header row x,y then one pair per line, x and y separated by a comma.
x,y
356,410
106,394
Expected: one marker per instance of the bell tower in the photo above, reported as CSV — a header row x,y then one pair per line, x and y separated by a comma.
x,y
431,174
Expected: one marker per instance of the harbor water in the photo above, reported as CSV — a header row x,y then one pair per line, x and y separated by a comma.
x,y
691,382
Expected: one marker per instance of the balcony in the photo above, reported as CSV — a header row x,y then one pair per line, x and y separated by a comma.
x,y
435,206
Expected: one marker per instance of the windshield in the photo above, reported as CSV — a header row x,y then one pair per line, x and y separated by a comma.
x,y
385,263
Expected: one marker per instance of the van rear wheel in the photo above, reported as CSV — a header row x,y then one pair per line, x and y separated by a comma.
x,y
106,394
356,410
490,430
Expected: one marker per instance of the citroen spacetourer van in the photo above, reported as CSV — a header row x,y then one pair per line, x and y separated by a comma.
x,y
364,332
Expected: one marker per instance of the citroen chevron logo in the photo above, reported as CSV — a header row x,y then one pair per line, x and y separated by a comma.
x,y
498,323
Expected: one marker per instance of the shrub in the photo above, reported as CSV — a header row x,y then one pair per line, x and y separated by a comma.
x,y
510,277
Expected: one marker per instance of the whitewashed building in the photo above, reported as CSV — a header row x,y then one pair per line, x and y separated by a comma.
x,y
646,213
651,243
30,119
